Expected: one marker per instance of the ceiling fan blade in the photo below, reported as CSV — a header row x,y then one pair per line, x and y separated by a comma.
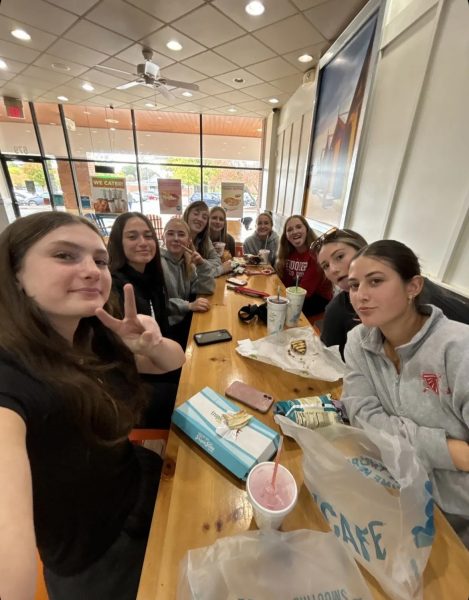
x,y
179,84
126,86
166,93
112,69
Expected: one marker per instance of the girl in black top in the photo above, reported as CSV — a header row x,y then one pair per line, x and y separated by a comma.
x,y
71,482
134,256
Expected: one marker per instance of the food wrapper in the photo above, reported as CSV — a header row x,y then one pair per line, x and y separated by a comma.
x,y
311,411
316,361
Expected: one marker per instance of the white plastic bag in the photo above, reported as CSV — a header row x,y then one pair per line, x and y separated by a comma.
x,y
259,565
318,361
376,496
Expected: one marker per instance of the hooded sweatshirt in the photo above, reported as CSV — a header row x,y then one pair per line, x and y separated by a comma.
x,y
427,402
180,288
253,244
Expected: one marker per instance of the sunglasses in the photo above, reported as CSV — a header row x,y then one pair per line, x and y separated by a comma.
x,y
329,236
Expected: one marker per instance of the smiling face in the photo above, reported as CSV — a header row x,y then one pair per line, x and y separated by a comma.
x,y
197,220
296,234
335,259
378,294
66,273
217,222
263,226
139,243
176,234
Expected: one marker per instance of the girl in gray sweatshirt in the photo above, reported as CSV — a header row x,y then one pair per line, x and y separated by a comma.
x,y
186,273
264,238
407,369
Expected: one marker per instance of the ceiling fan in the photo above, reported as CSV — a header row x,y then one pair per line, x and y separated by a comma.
x,y
148,74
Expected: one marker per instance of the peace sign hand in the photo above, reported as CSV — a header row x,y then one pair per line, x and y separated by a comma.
x,y
140,333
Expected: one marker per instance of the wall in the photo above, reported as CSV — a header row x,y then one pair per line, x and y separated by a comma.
x,y
411,179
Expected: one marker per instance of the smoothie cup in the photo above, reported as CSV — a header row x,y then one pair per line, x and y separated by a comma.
x,y
219,247
276,313
264,256
271,505
296,297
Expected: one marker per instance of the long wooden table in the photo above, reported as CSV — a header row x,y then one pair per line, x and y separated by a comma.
x,y
199,501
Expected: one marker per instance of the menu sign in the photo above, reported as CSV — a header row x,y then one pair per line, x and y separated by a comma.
x,y
170,193
232,196
109,194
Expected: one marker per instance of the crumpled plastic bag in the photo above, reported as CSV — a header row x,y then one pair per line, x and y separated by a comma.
x,y
318,362
376,496
271,565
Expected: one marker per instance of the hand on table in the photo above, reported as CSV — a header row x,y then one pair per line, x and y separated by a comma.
x,y
227,266
199,305
140,333
459,452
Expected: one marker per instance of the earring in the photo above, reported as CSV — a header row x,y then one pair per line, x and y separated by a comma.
x,y
410,298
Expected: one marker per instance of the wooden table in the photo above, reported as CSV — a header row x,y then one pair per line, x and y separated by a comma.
x,y
199,501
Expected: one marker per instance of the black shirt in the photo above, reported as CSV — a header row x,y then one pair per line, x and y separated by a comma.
x,y
83,491
150,293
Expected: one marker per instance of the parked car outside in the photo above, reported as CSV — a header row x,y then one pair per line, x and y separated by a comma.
x,y
210,198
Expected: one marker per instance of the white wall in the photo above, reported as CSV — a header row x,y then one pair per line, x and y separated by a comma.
x,y
411,180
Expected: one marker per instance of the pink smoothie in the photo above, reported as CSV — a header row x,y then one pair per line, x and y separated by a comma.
x,y
261,490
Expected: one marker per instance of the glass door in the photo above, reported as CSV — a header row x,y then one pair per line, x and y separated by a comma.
x,y
28,179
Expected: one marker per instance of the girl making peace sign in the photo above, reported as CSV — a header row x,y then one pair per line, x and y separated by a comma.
x,y
72,484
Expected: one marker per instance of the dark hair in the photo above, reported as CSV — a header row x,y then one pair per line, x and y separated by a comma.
x,y
398,256
73,372
285,248
201,241
117,257
335,236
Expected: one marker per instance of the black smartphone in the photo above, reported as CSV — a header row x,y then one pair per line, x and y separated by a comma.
x,y
212,337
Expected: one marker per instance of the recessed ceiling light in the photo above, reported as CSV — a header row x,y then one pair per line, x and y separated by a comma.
x,y
174,45
88,87
273,100
259,129
254,8
60,67
51,123
149,105
62,98
111,121
21,34
232,110
148,134
187,94
86,112
304,58
112,128
3,65
238,80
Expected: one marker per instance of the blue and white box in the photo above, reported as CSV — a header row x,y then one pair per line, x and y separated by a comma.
x,y
201,418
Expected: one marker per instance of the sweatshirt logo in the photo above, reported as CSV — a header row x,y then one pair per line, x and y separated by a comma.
x,y
431,381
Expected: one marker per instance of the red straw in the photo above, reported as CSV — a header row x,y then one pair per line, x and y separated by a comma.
x,y
277,458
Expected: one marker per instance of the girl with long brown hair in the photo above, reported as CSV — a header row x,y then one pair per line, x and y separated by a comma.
x,y
71,482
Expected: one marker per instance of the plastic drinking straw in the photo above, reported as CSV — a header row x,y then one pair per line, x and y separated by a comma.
x,y
277,458
296,283
278,295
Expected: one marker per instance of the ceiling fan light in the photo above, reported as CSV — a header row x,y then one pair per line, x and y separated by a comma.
x,y
21,34
174,45
254,8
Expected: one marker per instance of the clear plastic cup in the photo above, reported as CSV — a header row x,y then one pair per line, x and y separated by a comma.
x,y
296,297
264,256
271,506
219,247
276,313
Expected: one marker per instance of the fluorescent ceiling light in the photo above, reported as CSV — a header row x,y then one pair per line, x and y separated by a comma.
x,y
62,98
21,34
304,58
88,87
3,65
187,94
273,100
174,45
254,8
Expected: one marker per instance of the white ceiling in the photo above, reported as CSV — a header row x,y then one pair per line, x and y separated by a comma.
x,y
220,42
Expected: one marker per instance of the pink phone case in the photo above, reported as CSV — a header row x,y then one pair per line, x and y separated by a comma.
x,y
249,396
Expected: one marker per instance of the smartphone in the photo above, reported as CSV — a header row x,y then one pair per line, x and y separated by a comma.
x,y
212,337
250,396
237,281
